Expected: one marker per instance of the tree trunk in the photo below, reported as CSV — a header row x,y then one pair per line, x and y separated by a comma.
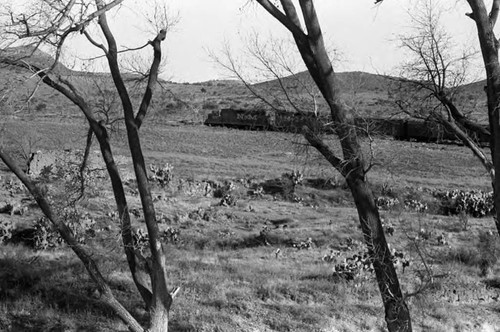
x,y
397,314
161,299
489,49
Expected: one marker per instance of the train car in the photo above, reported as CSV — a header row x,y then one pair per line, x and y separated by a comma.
x,y
426,131
293,122
404,129
380,127
238,118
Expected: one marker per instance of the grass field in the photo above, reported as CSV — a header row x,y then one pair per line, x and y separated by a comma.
x,y
226,260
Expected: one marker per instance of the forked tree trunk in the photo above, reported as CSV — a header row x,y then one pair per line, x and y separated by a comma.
x,y
157,298
161,298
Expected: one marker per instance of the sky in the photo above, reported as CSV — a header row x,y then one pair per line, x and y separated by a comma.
x,y
363,34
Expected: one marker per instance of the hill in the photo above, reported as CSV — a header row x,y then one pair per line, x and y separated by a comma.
x,y
348,81
366,94
23,95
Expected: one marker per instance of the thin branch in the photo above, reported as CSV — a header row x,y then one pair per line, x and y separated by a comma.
x,y
94,42
232,67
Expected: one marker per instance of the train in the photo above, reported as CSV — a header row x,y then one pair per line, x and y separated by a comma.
x,y
398,128
261,119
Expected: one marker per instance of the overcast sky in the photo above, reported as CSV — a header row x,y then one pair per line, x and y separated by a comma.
x,y
364,34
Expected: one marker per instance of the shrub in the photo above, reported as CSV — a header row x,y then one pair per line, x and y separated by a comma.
x,y
223,190
6,229
228,200
14,187
386,203
163,176
356,265
416,205
353,266
475,203
296,177
46,237
141,238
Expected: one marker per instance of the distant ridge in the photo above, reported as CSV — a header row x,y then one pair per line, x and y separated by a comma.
x,y
34,56
348,81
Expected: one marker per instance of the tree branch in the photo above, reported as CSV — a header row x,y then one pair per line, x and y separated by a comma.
x,y
466,139
282,18
495,8
152,79
94,42
325,150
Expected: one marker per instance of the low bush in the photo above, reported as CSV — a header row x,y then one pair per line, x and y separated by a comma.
x,y
221,191
416,205
6,228
44,236
387,203
161,175
475,203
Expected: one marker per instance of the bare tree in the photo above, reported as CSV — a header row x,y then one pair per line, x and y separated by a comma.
x,y
50,24
310,44
437,74
432,79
